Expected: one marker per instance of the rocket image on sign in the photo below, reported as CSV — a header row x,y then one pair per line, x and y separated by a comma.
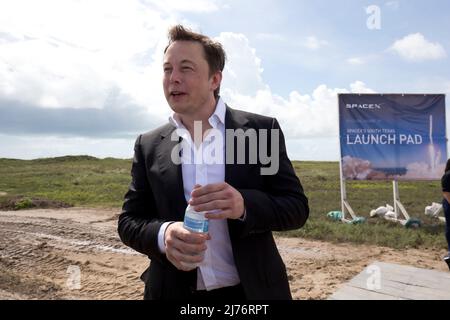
x,y
434,158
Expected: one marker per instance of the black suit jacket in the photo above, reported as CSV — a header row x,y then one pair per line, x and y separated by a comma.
x,y
156,195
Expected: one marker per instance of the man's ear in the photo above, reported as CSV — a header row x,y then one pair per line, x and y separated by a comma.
x,y
216,80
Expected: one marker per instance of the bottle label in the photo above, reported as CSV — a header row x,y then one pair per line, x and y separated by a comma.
x,y
195,225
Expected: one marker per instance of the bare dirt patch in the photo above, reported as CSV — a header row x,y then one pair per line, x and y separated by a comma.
x,y
39,249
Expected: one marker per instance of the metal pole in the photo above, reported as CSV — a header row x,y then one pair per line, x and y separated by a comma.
x,y
395,189
343,191
341,176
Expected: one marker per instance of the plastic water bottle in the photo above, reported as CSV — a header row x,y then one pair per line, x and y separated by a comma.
x,y
195,222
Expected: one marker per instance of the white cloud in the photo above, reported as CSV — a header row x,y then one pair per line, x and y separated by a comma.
x,y
59,54
197,6
363,60
415,48
77,54
243,71
356,61
314,44
313,149
300,115
360,87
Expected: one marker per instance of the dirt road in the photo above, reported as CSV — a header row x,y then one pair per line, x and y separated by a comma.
x,y
76,253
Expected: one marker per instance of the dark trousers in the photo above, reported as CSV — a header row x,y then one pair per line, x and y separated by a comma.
x,y
446,208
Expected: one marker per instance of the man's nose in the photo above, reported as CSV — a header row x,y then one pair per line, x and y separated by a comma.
x,y
175,77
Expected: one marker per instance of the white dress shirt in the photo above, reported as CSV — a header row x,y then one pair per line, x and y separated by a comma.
x,y
218,268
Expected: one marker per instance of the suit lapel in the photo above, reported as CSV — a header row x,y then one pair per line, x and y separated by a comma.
x,y
232,171
171,174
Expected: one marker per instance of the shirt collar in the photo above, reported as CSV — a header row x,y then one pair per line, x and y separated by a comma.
x,y
217,117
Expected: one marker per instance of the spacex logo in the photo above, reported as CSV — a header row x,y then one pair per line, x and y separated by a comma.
x,y
373,106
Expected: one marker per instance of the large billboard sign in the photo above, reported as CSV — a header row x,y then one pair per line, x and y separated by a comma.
x,y
392,136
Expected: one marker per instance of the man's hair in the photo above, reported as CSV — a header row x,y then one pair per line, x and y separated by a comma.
x,y
213,50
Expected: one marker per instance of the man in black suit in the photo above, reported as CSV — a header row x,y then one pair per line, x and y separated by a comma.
x,y
245,192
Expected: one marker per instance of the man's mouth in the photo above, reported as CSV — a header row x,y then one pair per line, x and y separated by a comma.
x,y
177,93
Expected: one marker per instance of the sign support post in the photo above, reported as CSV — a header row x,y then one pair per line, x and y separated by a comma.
x,y
398,206
345,206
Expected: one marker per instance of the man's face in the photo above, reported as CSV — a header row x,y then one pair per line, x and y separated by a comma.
x,y
187,84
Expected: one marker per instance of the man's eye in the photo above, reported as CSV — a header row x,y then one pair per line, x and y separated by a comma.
x,y
186,68
167,70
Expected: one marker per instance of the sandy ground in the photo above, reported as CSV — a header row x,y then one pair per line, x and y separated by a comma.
x,y
76,253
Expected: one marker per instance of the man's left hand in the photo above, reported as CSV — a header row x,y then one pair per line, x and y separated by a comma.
x,y
219,200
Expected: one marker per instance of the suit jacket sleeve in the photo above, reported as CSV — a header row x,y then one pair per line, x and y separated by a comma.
x,y
282,204
138,226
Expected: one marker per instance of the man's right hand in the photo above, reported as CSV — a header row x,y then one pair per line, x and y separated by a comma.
x,y
184,247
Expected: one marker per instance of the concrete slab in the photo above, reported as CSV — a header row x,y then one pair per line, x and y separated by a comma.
x,y
388,281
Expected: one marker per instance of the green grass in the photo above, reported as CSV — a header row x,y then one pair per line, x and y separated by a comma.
x,y
321,183
92,182
79,180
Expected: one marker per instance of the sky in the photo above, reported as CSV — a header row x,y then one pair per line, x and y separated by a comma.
x,y
84,77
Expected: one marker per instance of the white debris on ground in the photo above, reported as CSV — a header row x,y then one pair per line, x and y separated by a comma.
x,y
433,210
385,212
